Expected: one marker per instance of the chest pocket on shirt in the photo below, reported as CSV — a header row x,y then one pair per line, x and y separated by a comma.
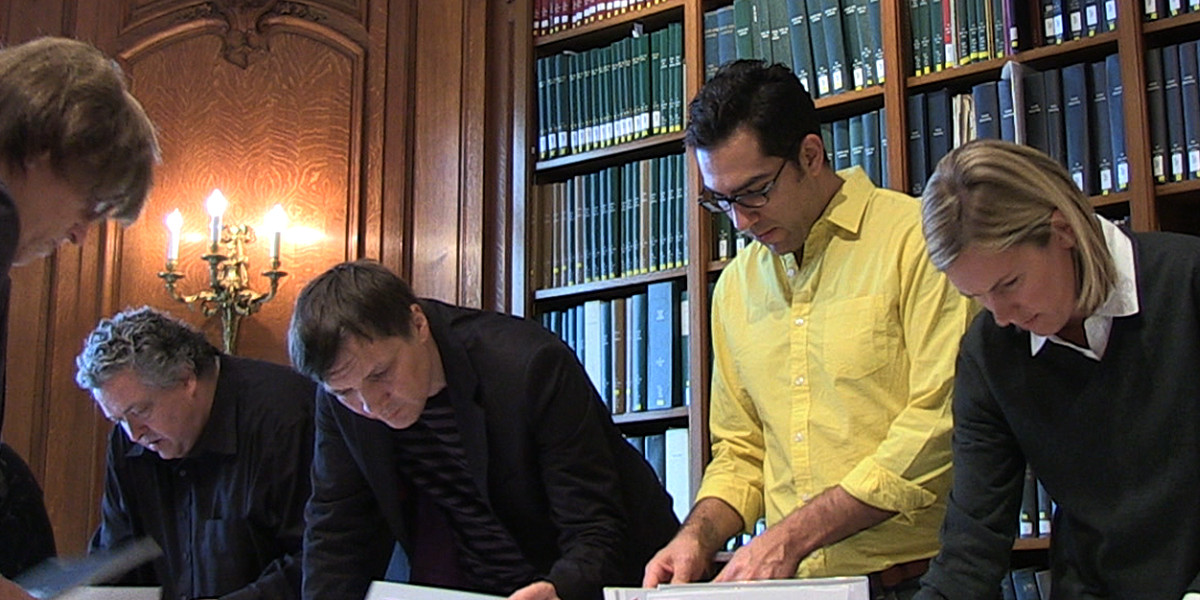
x,y
854,338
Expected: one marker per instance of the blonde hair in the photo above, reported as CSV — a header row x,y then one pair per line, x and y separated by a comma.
x,y
65,99
994,195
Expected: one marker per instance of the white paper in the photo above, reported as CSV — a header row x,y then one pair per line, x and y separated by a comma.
x,y
826,588
386,590
112,593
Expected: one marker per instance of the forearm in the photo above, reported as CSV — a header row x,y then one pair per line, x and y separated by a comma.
x,y
711,523
831,517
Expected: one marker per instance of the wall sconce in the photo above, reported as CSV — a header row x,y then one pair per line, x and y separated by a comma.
x,y
229,292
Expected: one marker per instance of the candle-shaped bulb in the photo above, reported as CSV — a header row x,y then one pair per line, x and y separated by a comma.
x,y
216,205
174,225
276,222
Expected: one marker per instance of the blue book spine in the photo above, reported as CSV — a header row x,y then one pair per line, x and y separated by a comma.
x,y
918,147
1056,134
871,158
938,126
841,144
1035,116
816,33
987,110
1116,122
712,50
1079,148
1101,131
835,44
726,36
663,338
1156,105
802,50
637,339
1174,96
1188,76
1008,115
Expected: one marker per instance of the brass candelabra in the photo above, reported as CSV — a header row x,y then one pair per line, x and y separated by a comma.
x,y
228,293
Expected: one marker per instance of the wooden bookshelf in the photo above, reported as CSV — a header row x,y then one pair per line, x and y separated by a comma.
x,y
1148,204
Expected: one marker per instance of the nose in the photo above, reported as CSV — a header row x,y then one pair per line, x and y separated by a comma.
x,y
133,431
743,218
1002,311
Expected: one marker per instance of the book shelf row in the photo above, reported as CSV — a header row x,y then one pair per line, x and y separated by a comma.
x,y
1173,96
832,46
554,16
617,222
1076,115
629,89
633,347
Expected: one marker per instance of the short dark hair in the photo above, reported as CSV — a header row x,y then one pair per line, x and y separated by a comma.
x,y
770,100
360,298
160,349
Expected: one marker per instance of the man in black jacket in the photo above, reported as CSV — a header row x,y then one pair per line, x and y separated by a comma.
x,y
473,439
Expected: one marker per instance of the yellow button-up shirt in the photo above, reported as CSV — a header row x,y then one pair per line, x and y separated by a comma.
x,y
838,371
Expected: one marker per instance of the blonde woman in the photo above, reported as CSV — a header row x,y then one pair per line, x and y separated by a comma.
x,y
1083,365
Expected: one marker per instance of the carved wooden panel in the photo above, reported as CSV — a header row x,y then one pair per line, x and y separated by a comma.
x,y
283,130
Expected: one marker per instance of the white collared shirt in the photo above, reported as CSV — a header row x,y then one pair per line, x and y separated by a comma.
x,y
1122,300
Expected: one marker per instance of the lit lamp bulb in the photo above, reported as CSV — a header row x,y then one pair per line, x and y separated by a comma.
x,y
276,222
216,205
174,225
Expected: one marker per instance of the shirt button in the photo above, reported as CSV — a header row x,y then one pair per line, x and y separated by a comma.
x,y
799,437
791,272
799,381
800,321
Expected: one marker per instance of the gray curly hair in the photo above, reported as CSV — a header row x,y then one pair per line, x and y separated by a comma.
x,y
161,350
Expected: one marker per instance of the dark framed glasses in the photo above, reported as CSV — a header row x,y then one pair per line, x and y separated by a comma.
x,y
720,203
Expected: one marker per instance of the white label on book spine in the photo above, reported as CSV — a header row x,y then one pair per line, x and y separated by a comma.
x,y
1093,18
1106,180
1177,164
1175,5
838,84
1076,23
1078,177
1049,26
1110,10
1058,27
1122,175
1159,171
859,78
1150,8
1194,160
823,84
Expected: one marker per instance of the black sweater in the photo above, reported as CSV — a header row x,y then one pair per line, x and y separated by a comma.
x,y
1115,442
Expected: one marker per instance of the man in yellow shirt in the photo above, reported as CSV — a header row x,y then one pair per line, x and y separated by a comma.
x,y
834,341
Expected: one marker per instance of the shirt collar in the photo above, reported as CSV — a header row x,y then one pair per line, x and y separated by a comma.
x,y
849,205
1122,301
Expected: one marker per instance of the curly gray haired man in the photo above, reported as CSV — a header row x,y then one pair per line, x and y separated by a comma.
x,y
211,458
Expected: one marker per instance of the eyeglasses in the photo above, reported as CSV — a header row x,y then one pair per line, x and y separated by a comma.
x,y
720,203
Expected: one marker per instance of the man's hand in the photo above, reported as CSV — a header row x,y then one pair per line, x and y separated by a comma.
x,y
682,561
538,590
12,591
767,556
